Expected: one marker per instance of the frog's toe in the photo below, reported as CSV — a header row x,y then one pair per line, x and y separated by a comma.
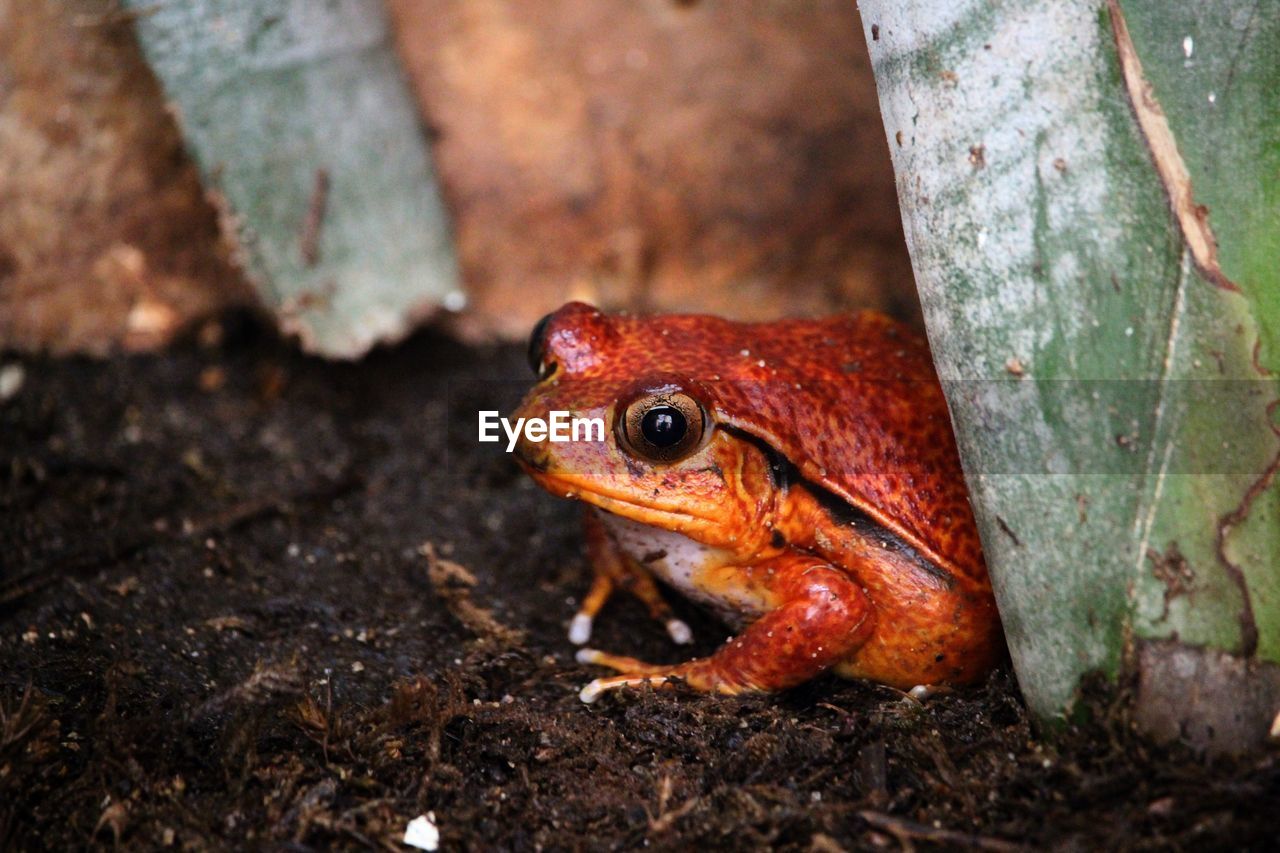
x,y
922,692
593,691
680,632
621,663
634,673
580,628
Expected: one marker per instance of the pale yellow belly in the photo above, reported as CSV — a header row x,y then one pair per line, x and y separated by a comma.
x,y
699,572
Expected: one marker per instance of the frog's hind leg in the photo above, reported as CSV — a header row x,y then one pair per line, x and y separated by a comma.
x,y
613,569
822,617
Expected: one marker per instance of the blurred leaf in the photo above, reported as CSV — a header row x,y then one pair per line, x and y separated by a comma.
x,y
299,118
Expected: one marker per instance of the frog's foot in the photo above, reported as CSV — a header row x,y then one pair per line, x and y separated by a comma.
x,y
642,586
824,616
614,569
602,588
635,673
922,692
621,663
592,691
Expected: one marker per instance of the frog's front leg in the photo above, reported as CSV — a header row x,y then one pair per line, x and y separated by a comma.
x,y
821,617
612,568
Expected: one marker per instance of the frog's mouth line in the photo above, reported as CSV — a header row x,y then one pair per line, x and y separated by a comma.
x,y
617,503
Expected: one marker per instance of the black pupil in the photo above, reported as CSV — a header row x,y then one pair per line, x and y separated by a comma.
x,y
663,426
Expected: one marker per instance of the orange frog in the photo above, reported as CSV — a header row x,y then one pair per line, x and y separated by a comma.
x,y
798,477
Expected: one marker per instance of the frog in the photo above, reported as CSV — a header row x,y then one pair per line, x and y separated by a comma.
x,y
799,478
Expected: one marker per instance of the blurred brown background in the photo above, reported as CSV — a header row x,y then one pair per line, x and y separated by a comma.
x,y
106,239
649,154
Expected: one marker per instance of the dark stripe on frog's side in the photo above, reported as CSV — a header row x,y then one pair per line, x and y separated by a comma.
x,y
845,514
781,471
786,475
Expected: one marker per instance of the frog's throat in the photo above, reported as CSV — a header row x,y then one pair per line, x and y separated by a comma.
x,y
619,503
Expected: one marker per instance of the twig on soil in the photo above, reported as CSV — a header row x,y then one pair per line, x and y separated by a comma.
x,y
313,803
823,843
328,713
666,817
114,817
16,589
872,772
906,831
19,725
453,582
266,684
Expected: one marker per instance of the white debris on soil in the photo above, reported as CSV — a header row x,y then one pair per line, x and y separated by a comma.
x,y
422,833
11,378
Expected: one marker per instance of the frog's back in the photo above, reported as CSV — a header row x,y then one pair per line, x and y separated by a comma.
x,y
868,421
852,401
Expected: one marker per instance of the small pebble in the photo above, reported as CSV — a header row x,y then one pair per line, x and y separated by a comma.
x,y
422,832
11,378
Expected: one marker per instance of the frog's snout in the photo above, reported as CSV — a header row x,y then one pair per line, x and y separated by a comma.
x,y
535,457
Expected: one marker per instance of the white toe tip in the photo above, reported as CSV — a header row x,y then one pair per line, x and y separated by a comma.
x,y
920,692
591,692
580,629
586,655
679,631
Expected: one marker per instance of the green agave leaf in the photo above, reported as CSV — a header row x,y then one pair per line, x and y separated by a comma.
x,y
299,118
1091,196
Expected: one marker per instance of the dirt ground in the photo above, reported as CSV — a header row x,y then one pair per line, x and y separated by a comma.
x,y
254,600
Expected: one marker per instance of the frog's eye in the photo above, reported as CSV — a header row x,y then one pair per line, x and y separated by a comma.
x,y
538,349
663,427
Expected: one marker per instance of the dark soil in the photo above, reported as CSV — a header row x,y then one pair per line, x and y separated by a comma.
x,y
255,600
